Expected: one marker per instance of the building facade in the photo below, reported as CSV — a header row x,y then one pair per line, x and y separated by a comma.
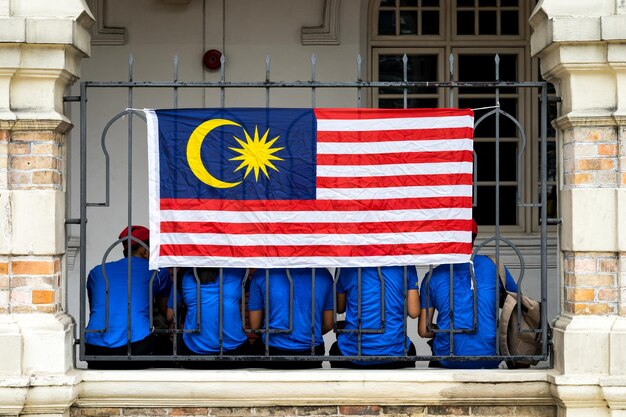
x,y
579,46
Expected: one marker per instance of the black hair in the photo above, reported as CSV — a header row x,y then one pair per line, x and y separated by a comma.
x,y
208,275
134,246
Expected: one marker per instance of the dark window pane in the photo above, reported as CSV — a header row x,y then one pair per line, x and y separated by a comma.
x,y
430,3
408,3
386,22
486,155
509,3
483,68
510,23
430,23
465,23
487,127
387,3
465,3
412,103
552,114
551,155
487,3
408,23
419,68
485,213
487,22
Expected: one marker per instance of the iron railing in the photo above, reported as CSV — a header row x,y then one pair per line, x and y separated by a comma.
x,y
360,86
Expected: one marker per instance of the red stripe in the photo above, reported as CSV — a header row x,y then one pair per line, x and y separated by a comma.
x,y
395,158
315,205
395,135
316,228
315,250
347,114
394,181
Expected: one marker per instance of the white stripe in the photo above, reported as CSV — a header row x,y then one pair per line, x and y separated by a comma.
x,y
392,123
394,192
315,239
311,261
314,216
154,194
394,169
394,146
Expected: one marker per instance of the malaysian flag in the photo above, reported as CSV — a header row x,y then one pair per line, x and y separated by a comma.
x,y
250,187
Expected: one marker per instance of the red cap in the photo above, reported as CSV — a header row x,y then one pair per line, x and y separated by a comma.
x,y
474,228
138,232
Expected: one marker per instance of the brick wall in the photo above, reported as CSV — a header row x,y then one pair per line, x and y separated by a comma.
x,y
590,157
590,282
30,160
326,411
30,284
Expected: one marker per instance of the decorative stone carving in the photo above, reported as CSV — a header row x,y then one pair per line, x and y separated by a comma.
x,y
328,32
102,34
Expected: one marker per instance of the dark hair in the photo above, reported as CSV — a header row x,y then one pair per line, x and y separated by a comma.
x,y
208,275
134,246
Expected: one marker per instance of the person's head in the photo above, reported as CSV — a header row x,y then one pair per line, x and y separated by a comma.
x,y
474,230
136,249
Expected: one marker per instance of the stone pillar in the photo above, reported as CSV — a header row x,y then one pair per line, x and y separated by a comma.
x,y
581,48
41,45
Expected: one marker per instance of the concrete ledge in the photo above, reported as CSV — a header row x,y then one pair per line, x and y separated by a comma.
x,y
240,388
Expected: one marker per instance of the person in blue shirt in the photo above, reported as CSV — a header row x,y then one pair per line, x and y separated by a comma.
x,y
435,296
393,341
101,339
207,340
298,341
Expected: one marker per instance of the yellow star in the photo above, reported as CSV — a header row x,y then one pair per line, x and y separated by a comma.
x,y
256,153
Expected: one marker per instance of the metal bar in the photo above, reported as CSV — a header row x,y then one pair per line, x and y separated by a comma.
x,y
405,91
312,311
451,328
359,79
175,80
404,279
313,69
130,201
451,79
69,99
544,223
497,202
83,217
267,312
359,319
175,306
309,84
221,311
222,81
267,80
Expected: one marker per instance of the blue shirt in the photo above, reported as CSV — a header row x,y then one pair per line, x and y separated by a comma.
x,y
208,341
117,275
481,343
300,336
393,341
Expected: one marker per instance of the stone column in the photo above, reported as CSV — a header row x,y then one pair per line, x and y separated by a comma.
x,y
41,45
581,48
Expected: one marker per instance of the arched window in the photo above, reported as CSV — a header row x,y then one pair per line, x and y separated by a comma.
x,y
472,32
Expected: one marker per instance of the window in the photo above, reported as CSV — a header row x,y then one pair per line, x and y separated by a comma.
x,y
472,32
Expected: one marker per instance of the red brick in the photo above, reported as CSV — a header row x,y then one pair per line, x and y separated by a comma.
x,y
594,309
46,177
19,148
607,294
32,267
607,150
4,268
580,294
33,162
360,410
5,135
595,164
43,297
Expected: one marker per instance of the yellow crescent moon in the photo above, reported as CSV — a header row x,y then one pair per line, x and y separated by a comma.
x,y
193,152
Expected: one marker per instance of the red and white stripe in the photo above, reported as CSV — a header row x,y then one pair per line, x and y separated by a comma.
x,y
394,187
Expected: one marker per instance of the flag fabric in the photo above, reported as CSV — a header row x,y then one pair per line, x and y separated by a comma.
x,y
273,187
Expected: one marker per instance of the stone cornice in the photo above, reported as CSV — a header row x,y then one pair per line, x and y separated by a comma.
x,y
328,32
